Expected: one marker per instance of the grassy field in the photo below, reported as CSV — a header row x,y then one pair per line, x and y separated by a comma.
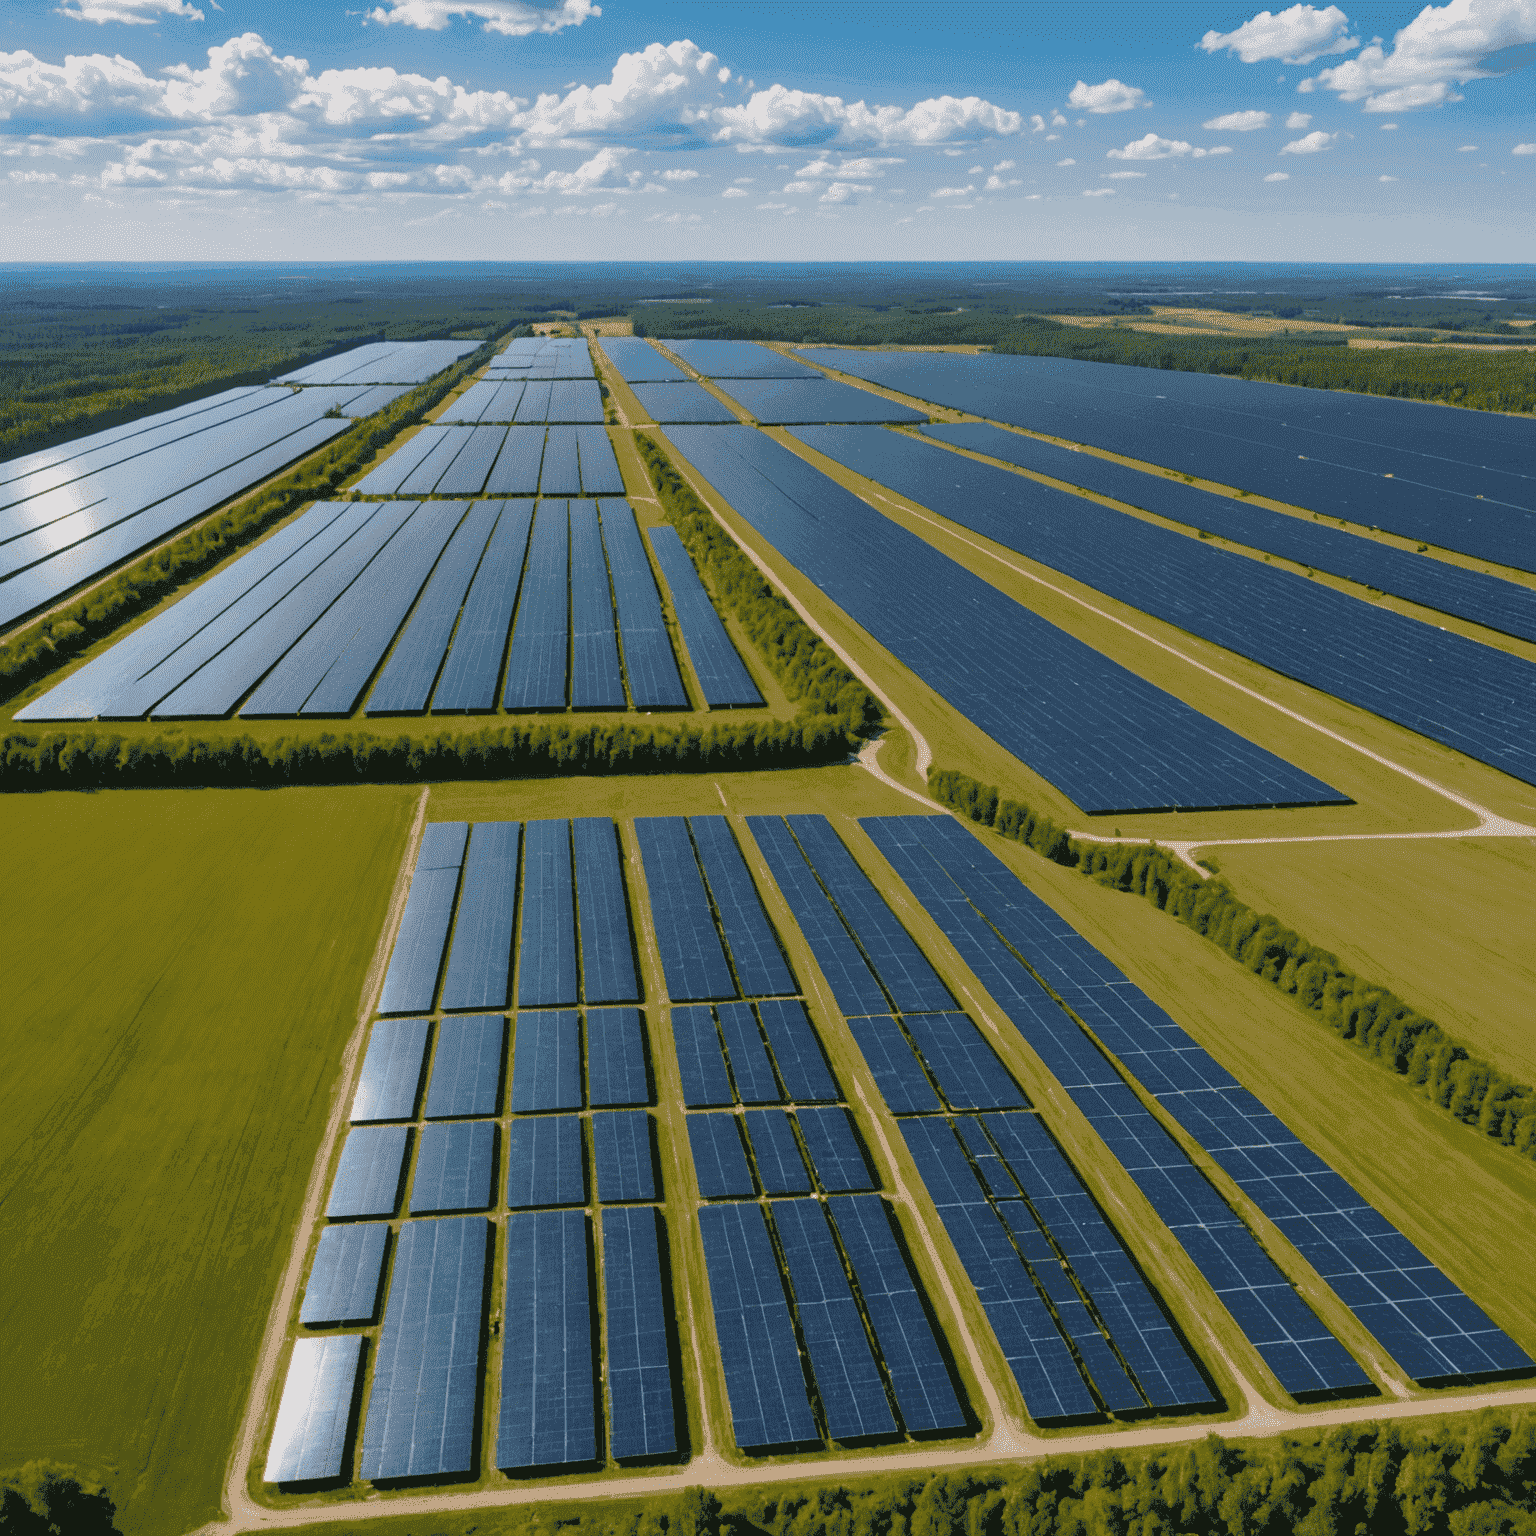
x,y
174,1035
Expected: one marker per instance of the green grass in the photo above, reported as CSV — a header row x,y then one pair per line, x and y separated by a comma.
x,y
182,972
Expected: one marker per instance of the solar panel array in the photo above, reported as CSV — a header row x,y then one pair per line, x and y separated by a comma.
x,y
1445,686
1426,1323
738,360
71,513
1469,594
637,361
515,400
1451,477
1107,738
356,400
684,402
383,362
309,1437
717,664
519,460
776,402
542,357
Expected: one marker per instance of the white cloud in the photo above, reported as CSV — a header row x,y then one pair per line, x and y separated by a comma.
x,y
735,192
1110,96
1238,122
771,206
1467,149
1389,127
678,175
1296,36
1034,197
1066,162
1151,147
976,170
799,188
743,181
509,18
999,184
953,154
954,191
1003,165
673,218
843,191
1524,149
1386,178
133,13
1443,46
1037,124
782,116
1124,175
1099,192
1058,121
1314,142
1298,121
1051,138
1278,176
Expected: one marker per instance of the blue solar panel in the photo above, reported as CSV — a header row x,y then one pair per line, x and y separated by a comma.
x,y
480,960
847,972
367,1181
309,1436
423,479
738,360
455,1167
467,474
1443,685
561,474
754,949
780,1167
421,1409
649,664
836,1156
546,950
719,1159
700,1062
595,679
636,360
692,960
622,1156
797,1052
516,472
343,1285
748,1057
600,474
575,400
544,1162
635,1310
474,404
546,1063
534,405
540,641
616,1071
473,666
755,1336
919,1379
1106,737
722,675
1424,471
548,1388
466,1067
965,1067
847,1378
607,950
779,401
387,478
391,1075
894,1066
682,402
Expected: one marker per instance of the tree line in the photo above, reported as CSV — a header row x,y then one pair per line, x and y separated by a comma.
x,y
1370,1017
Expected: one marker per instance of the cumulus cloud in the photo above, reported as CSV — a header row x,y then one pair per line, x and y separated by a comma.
x,y
1278,176
782,116
842,191
132,13
1066,162
1297,36
1311,145
680,175
1110,96
674,218
510,18
954,191
1298,121
1151,147
1442,47
1001,184
734,192
799,188
1238,122
1003,165
1099,192
1467,149
1389,127
1124,175
1036,123
1386,178
743,181
1524,149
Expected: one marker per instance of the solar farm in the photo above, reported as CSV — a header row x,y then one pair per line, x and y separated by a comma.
x,y
775,1119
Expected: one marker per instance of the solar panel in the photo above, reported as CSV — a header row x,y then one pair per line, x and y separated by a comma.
x,y
965,1067
343,1285
411,982
637,360
750,1067
534,406
616,1071
641,1406
755,1336
546,974
719,1159
797,1052
546,1063
717,664
622,1156
847,1378
480,961
754,949
692,960
422,480
391,1075
607,950
474,404
595,679
367,1181
561,474
537,665
775,402
393,470
466,476
455,1167
685,401
780,1167
919,1378
600,474
575,400
700,1062
738,360
309,1436
649,665
421,1409
473,666
548,1391
836,1156
466,1067
894,1066
516,471
544,1162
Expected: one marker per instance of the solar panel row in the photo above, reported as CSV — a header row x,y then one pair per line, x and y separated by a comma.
x,y
717,664
410,984
543,357
492,400
343,1285
1428,472
738,360
637,361
682,402
796,1070
649,665
642,1413
479,964
517,460
777,402
545,1162
1106,737
383,362
309,1437
1445,686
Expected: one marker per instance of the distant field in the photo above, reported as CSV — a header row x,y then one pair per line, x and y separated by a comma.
x,y
182,971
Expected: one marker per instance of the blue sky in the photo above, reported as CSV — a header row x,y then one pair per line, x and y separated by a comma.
x,y
794,129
